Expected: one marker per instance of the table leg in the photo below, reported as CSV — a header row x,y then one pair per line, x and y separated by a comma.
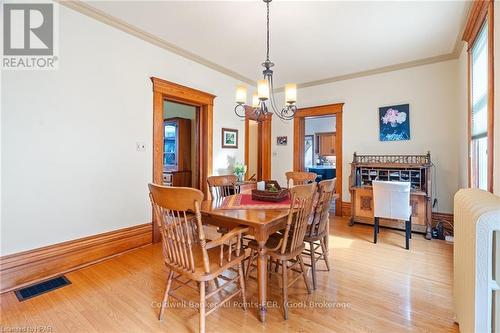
x,y
262,280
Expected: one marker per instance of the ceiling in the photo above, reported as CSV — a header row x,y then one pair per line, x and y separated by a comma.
x,y
310,40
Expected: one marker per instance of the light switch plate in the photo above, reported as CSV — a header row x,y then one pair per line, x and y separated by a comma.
x,y
140,146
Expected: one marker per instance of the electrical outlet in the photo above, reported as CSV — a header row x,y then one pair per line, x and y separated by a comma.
x,y
140,146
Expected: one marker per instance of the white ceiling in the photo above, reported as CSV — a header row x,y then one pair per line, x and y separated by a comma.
x,y
310,40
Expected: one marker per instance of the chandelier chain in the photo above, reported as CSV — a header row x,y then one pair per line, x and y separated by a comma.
x,y
267,55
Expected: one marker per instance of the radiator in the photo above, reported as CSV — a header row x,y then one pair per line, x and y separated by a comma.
x,y
476,259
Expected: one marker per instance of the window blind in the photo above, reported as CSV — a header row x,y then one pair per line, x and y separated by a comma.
x,y
479,72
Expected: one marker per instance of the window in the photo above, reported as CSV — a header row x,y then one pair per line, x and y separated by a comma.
x,y
169,144
479,110
478,35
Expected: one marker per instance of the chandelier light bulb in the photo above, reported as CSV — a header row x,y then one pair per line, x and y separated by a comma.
x,y
255,100
291,93
241,94
263,89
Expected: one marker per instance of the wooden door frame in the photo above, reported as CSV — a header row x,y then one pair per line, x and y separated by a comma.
x,y
298,141
264,145
204,102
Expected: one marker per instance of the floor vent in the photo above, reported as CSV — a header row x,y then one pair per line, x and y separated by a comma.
x,y
41,288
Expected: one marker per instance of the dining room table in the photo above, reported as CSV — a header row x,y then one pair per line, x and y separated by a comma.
x,y
262,221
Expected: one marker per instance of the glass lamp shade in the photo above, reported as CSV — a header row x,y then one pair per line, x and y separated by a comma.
x,y
241,95
263,89
255,101
291,93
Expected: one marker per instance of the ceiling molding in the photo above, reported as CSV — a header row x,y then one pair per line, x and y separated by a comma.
x,y
103,17
459,43
380,70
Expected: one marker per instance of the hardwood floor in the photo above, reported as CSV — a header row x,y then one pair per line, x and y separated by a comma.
x,y
371,288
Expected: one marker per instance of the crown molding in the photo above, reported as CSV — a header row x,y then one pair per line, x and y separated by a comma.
x,y
380,70
105,18
459,43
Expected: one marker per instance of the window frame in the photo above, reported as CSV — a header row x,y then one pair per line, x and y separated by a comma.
x,y
481,12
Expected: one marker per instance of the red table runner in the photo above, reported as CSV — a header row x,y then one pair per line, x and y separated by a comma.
x,y
245,201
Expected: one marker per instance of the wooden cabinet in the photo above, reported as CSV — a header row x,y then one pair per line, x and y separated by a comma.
x,y
177,178
177,152
415,169
326,144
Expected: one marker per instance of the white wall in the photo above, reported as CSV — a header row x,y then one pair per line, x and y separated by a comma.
x,y
431,91
69,163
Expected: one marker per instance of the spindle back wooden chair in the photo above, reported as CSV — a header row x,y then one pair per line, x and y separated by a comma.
x,y
188,255
299,177
317,230
287,247
222,186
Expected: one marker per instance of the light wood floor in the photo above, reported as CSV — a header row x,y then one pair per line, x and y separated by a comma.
x,y
372,288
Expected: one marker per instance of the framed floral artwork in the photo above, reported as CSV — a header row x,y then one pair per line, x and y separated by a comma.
x,y
229,138
394,122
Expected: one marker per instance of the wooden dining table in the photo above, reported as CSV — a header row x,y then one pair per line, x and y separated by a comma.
x,y
261,223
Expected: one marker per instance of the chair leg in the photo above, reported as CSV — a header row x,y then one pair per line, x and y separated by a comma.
x,y
313,264
284,272
375,230
324,247
165,296
202,307
303,268
407,230
242,286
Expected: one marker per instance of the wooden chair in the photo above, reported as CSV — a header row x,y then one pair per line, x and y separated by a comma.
x,y
391,200
317,231
288,247
222,186
299,177
187,253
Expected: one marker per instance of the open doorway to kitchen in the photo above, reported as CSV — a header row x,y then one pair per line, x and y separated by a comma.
x,y
318,144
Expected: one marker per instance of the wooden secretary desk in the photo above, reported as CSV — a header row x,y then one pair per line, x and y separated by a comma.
x,y
415,169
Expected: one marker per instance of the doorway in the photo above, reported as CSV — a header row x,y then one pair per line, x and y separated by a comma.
x,y
318,144
258,147
180,158
203,102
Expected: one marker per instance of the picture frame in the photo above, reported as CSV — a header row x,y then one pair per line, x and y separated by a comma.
x,y
229,138
281,140
394,122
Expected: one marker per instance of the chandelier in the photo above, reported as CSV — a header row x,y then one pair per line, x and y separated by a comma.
x,y
264,100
